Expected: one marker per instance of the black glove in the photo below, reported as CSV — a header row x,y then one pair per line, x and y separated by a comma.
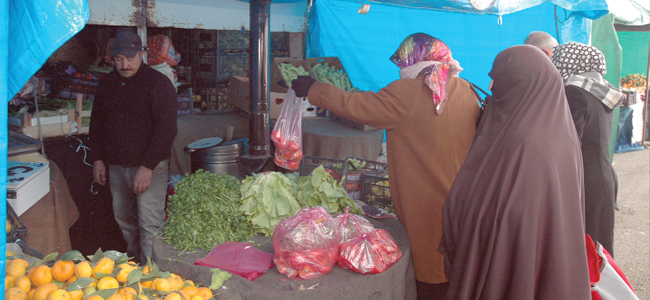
x,y
302,85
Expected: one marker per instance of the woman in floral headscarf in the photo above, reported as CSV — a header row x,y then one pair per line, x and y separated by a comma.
x,y
430,119
591,100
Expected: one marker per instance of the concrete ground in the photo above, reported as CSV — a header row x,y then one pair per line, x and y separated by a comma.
x,y
632,227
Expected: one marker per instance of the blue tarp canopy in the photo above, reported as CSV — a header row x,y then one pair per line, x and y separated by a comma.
x,y
30,31
364,42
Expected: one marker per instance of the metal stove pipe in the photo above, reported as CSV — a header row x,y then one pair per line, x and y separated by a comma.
x,y
259,78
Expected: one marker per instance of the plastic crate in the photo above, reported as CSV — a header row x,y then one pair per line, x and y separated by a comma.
x,y
353,175
18,229
337,166
375,191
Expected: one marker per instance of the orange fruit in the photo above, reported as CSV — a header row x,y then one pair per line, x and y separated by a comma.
x,y
104,265
174,296
205,292
30,295
15,270
161,284
146,284
23,283
143,297
71,280
21,261
188,282
196,297
15,294
76,295
59,294
125,269
43,291
9,281
40,275
189,291
83,269
117,296
146,269
108,282
95,297
63,270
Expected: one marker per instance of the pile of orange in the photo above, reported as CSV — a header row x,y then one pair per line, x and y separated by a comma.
x,y
104,279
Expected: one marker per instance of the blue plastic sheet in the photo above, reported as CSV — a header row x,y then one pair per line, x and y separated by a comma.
x,y
589,8
30,31
36,30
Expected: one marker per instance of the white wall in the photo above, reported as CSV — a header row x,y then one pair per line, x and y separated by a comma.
x,y
197,14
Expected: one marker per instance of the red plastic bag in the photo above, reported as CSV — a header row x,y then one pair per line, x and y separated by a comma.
x,y
287,133
370,253
238,258
306,245
351,225
606,277
161,50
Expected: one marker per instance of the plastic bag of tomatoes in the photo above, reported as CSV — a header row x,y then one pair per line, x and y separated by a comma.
x,y
306,245
371,252
287,133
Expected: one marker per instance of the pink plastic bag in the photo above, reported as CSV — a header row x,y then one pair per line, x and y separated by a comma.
x,y
372,252
287,133
348,222
161,50
238,258
306,245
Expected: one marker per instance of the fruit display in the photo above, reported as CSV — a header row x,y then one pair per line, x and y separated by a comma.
x,y
634,82
106,275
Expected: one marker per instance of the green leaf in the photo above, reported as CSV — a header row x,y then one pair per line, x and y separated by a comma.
x,y
73,255
134,277
50,257
58,283
218,278
104,293
95,258
80,284
116,256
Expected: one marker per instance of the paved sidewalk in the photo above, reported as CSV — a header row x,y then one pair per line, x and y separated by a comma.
x,y
632,228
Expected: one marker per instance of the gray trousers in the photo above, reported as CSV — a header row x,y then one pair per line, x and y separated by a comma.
x,y
139,215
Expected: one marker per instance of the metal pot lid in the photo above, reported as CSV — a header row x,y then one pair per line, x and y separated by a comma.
x,y
204,143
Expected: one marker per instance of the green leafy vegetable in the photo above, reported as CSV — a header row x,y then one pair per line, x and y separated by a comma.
x,y
204,212
320,189
218,278
268,198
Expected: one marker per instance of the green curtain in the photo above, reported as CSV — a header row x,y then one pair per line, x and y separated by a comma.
x,y
635,51
604,37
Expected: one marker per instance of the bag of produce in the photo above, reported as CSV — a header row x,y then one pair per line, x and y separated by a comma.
x,y
371,252
241,258
287,133
306,245
161,50
351,225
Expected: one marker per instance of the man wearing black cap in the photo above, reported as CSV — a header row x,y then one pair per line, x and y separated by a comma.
x,y
132,129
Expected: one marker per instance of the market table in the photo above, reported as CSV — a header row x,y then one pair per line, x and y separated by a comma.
x,y
48,221
321,137
398,282
324,137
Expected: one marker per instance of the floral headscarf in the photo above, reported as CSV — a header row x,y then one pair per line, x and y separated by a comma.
x,y
420,51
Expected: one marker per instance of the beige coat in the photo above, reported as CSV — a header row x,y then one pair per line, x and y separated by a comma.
x,y
425,152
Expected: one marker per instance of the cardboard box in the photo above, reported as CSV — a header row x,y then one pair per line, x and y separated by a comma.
x,y
27,182
239,93
331,62
278,84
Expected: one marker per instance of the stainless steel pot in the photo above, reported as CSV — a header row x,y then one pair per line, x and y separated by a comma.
x,y
216,156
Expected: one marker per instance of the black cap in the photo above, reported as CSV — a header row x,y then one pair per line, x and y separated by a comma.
x,y
127,43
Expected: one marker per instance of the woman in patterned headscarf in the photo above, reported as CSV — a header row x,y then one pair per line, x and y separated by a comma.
x,y
592,99
430,119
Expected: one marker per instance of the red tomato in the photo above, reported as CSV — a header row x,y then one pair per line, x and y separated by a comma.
x,y
292,165
277,137
293,146
77,75
279,161
89,77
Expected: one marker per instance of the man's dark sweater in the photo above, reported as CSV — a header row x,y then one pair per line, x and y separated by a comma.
x,y
133,121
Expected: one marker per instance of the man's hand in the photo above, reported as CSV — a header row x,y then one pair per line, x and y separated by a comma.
x,y
142,179
301,85
99,172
